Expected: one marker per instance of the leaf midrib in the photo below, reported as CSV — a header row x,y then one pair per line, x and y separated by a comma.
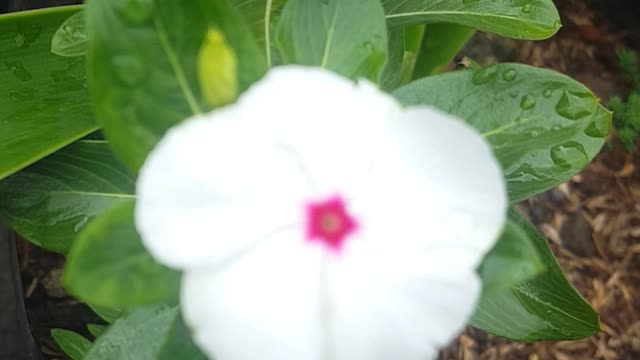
x,y
175,65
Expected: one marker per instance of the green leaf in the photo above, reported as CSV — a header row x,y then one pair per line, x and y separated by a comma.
x,y
512,260
44,104
52,200
544,308
108,265
179,344
441,42
346,36
262,15
391,76
73,344
143,68
543,126
71,39
138,336
520,19
96,330
107,314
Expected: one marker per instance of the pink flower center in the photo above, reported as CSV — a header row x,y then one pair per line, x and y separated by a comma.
x,y
329,222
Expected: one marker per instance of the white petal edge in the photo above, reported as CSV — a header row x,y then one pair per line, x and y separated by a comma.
x,y
266,305
213,186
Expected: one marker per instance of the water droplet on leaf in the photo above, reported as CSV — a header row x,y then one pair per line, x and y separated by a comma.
x,y
576,105
547,93
510,74
526,8
485,75
527,102
570,154
600,124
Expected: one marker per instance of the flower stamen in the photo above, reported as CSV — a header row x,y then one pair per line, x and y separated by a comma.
x,y
329,222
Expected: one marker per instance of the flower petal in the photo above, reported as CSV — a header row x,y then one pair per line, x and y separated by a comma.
x,y
265,305
435,185
393,308
213,186
333,123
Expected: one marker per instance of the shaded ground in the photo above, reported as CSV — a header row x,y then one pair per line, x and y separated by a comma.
x,y
593,221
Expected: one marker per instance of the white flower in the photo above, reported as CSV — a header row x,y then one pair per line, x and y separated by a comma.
x,y
317,219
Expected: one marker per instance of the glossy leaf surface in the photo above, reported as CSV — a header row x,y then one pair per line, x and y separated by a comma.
x,y
348,37
512,260
179,345
142,65
543,126
544,308
138,336
523,19
44,104
71,39
73,344
52,200
109,266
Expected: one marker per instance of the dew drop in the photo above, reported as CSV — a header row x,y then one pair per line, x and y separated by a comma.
x,y
576,105
527,102
485,75
570,154
547,93
526,8
600,124
524,173
510,74
134,12
129,70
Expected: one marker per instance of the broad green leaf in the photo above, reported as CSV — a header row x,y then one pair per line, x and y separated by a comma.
x,y
391,76
179,344
143,68
96,330
543,126
346,36
262,16
52,200
520,19
44,104
512,260
544,308
138,336
73,344
71,39
441,42
109,266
